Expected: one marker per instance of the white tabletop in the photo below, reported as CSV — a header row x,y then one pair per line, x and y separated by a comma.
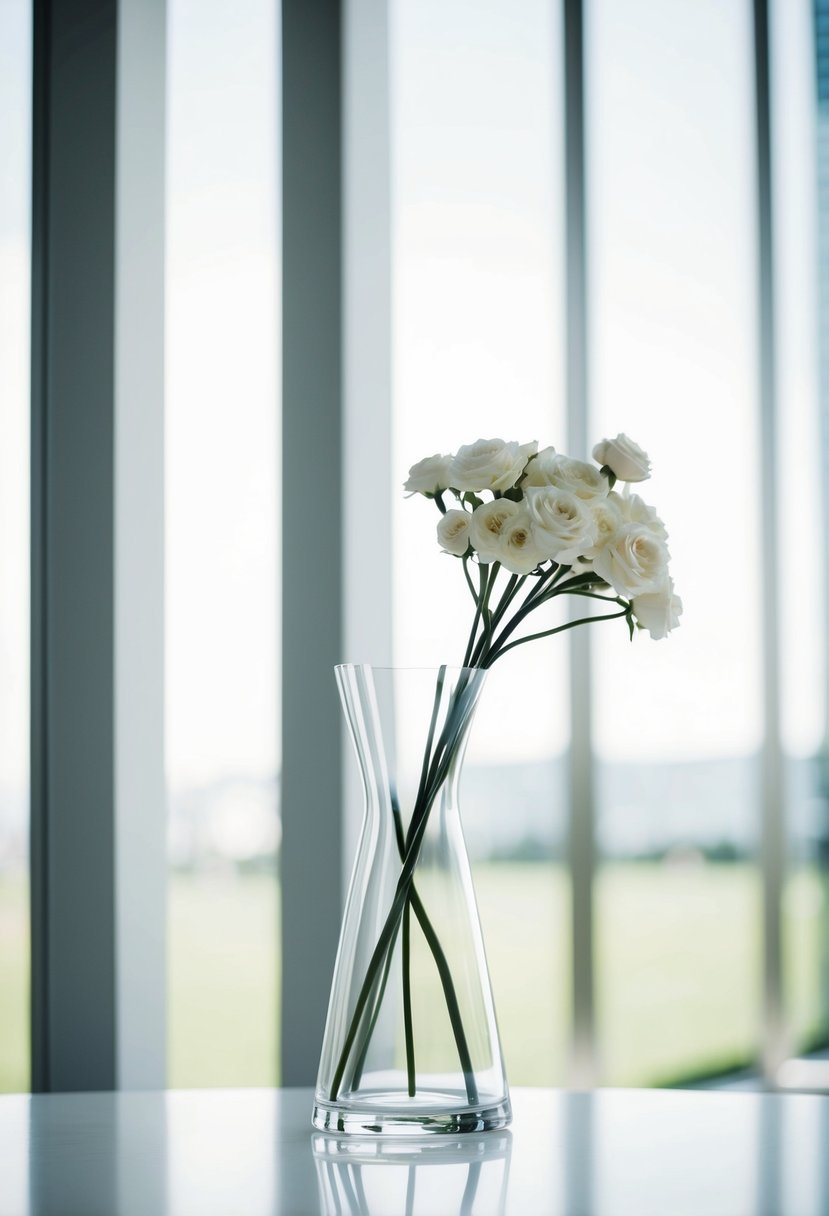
x,y
253,1152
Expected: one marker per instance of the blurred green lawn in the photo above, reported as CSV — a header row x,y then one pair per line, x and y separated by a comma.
x,y
678,950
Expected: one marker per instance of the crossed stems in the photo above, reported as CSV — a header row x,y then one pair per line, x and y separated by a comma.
x,y
433,774
481,652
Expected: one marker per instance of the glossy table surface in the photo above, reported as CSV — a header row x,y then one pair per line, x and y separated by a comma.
x,y
253,1152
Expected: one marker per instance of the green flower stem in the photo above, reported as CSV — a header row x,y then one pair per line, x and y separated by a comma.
x,y
482,575
553,583
546,633
443,968
468,578
486,612
444,751
549,587
384,945
427,753
587,579
408,1029
360,1062
539,594
514,585
596,595
431,763
397,820
544,582
450,996
438,773
489,581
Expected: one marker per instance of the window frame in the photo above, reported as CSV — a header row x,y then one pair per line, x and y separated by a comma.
x,y
98,803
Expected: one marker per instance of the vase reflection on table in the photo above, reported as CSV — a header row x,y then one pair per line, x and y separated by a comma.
x,y
411,1043
357,1176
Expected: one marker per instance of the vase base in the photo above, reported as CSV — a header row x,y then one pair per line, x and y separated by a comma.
x,y
381,1118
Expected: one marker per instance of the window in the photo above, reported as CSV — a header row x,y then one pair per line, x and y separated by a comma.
x,y
222,542
674,280
479,247
15,160
478,351
801,215
678,726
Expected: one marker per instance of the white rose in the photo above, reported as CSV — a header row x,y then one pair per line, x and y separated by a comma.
x,y
489,464
623,457
658,611
608,520
635,510
429,476
487,525
538,469
563,525
575,476
453,532
517,549
635,562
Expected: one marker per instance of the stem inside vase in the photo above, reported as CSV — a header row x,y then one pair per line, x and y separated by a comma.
x,y
437,763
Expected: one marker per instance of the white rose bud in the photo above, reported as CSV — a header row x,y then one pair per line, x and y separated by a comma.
x,y
489,464
487,525
517,549
453,532
635,562
623,457
658,611
563,525
429,476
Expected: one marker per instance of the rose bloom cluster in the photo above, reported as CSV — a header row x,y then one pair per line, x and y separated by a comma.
x,y
546,507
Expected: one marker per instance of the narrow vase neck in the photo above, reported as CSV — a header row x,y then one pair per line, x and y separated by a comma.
x,y
410,728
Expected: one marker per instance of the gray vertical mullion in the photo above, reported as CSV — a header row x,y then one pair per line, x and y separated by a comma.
x,y
367,357
38,748
89,946
73,944
581,827
140,799
820,36
773,841
312,445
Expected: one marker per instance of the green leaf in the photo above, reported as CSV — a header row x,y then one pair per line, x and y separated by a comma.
x,y
526,469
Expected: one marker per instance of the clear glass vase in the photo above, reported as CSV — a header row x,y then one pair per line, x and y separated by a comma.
x,y
411,1042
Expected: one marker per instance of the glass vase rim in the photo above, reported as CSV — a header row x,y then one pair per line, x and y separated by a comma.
x,y
405,667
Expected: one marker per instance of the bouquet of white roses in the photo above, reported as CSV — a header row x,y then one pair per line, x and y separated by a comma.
x,y
546,526
556,521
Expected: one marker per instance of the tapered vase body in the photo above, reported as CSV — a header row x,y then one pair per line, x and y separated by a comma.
x,y
411,1042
